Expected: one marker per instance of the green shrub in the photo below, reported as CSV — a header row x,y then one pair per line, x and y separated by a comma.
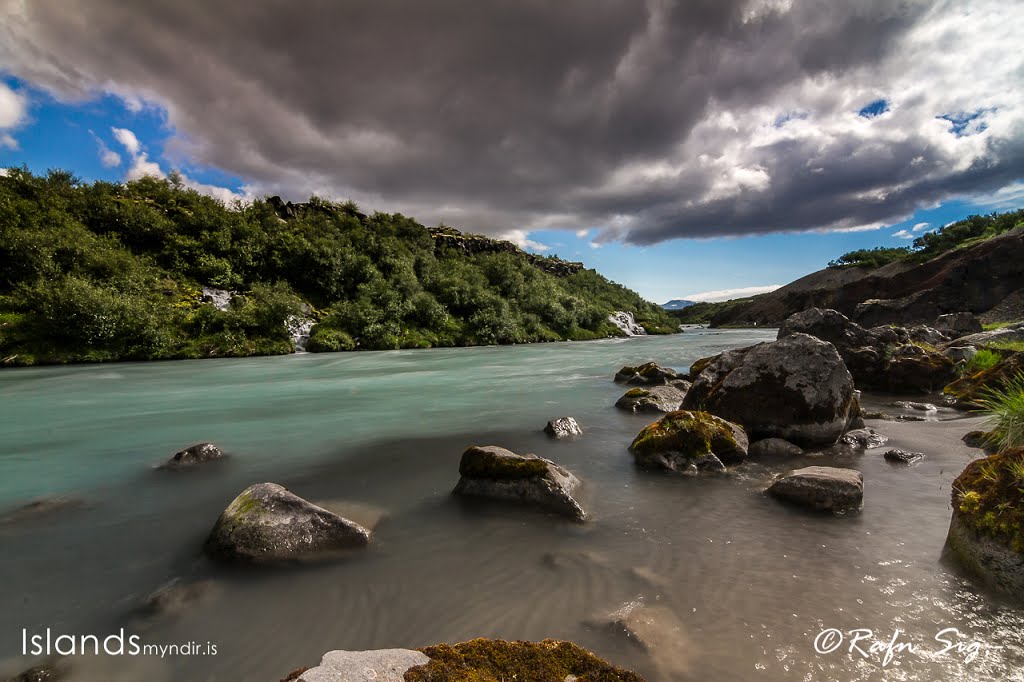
x,y
984,359
326,340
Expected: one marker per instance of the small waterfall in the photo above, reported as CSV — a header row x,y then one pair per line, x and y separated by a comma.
x,y
299,328
624,321
220,298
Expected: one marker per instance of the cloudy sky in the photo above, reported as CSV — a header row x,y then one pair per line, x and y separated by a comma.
x,y
679,147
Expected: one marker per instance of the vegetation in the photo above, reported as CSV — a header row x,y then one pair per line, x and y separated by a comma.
x,y
989,496
702,313
109,271
485,660
958,235
984,359
1006,405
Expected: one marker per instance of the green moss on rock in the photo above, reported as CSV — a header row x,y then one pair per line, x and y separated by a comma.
x,y
988,497
486,660
637,393
496,463
690,434
969,389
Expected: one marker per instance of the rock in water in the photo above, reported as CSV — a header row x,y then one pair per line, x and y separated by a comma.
x,y
864,438
197,454
653,399
625,322
683,440
796,388
266,523
494,472
773,447
563,427
382,665
902,456
821,488
647,374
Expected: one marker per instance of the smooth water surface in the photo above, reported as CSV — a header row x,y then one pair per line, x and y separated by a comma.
x,y
735,585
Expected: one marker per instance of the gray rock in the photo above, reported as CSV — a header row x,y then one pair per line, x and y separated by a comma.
x,y
773,447
708,461
196,454
382,665
563,427
42,673
494,472
796,388
989,560
925,334
266,523
647,374
864,438
821,488
910,405
652,399
958,324
1014,332
960,353
902,456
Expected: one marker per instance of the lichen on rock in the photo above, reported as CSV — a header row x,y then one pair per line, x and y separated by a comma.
x,y
680,441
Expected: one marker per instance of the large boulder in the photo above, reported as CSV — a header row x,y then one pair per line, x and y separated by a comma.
x,y
880,358
986,532
193,455
382,665
266,523
821,488
796,388
647,374
689,441
652,399
494,472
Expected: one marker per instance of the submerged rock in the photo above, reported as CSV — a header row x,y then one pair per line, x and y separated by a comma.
x,y
910,405
647,374
495,659
196,454
563,427
655,630
821,488
42,673
382,665
902,456
653,399
40,508
773,447
266,523
494,472
688,441
986,531
796,388
864,438
174,596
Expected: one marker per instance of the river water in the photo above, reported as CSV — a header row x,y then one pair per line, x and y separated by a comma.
x,y
731,585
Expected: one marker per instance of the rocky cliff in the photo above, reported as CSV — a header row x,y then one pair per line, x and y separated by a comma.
x,y
979,278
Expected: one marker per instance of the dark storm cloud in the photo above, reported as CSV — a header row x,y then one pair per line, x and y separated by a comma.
x,y
641,117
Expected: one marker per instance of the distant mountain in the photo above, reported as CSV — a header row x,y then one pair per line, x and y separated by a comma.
x,y
677,304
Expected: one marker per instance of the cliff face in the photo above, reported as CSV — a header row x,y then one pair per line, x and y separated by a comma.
x,y
975,279
448,238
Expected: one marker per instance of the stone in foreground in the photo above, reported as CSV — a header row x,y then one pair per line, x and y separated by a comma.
x,y
654,399
649,373
689,441
822,488
902,456
494,472
796,388
382,665
986,531
266,523
196,454
563,427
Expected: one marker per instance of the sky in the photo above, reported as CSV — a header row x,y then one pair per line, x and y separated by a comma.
x,y
701,149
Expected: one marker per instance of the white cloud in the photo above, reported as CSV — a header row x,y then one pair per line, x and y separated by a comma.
x,y
521,238
903,234
13,109
108,157
128,140
7,141
728,294
582,234
920,227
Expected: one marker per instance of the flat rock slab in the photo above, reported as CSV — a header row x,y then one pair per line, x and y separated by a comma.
x,y
497,473
822,488
382,665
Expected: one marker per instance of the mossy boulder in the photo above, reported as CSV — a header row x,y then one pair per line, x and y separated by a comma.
x,y
796,388
986,532
266,523
494,472
697,367
647,374
683,440
495,660
830,489
195,455
654,399
967,390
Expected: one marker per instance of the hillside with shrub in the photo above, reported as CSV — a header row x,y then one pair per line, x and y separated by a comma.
x,y
109,271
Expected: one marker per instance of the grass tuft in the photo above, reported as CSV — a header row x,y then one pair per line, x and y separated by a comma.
x,y
1006,405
